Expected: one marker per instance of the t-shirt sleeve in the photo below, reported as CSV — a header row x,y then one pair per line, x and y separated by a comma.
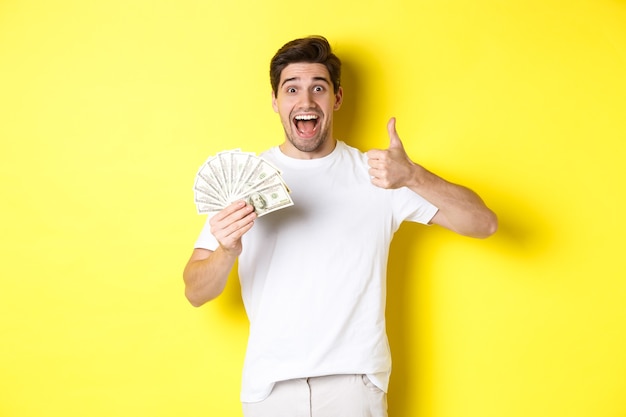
x,y
206,240
410,206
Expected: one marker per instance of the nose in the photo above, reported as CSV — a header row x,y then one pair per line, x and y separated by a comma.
x,y
306,99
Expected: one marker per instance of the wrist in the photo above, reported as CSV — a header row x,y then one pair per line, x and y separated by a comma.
x,y
416,177
230,253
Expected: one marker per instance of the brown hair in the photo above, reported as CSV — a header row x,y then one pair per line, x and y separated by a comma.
x,y
312,49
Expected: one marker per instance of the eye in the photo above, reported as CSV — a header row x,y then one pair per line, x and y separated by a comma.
x,y
318,89
291,90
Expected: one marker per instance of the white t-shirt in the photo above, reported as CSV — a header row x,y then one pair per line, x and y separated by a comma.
x,y
313,275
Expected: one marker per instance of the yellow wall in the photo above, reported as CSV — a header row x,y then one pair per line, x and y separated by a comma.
x,y
107,108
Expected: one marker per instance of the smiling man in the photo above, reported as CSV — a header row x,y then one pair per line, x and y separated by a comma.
x,y
313,276
305,101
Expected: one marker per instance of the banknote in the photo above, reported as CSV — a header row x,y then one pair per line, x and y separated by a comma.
x,y
268,199
235,175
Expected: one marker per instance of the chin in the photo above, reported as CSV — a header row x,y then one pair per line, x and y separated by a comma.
x,y
305,144
308,145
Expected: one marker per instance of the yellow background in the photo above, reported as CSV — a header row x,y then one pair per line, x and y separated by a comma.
x,y
107,109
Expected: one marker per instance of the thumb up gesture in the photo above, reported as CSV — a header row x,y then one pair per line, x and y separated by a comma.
x,y
391,167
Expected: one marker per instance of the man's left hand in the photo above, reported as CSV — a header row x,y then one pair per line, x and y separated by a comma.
x,y
391,167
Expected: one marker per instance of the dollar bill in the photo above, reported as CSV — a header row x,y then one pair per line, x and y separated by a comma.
x,y
205,208
268,199
235,175
202,187
242,165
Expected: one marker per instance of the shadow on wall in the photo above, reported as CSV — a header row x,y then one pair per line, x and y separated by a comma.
x,y
357,67
523,234
345,117
401,324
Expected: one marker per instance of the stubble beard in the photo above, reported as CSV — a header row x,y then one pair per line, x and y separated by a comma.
x,y
307,145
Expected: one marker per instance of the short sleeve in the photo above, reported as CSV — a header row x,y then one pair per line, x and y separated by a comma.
x,y
206,240
410,206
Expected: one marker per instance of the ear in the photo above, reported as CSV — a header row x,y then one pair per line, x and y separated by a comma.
x,y
338,99
274,103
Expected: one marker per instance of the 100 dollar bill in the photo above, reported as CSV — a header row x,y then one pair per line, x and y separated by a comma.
x,y
271,198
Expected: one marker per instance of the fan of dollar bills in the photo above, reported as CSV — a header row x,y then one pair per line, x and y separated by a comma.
x,y
234,175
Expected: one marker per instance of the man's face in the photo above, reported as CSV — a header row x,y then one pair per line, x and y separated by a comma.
x,y
305,101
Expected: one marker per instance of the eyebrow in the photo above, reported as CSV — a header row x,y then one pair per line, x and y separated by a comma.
x,y
298,78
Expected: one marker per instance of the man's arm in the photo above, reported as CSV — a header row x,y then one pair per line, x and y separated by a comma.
x,y
460,209
206,272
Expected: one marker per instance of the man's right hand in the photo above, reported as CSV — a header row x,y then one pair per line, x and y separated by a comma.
x,y
230,224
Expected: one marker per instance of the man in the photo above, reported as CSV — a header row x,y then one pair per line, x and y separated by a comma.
x,y
313,276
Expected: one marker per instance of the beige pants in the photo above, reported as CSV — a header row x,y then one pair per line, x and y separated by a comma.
x,y
326,396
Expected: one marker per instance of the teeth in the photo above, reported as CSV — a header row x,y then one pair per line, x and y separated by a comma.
x,y
306,117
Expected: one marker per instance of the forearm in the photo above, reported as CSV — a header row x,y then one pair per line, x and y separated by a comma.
x,y
460,209
206,274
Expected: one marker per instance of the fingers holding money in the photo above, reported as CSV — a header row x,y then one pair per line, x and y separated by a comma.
x,y
231,223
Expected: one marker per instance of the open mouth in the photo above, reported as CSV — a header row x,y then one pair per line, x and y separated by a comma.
x,y
306,124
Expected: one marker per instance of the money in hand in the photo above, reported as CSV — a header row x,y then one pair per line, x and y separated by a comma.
x,y
234,175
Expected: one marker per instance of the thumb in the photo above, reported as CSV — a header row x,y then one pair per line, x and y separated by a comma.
x,y
394,139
